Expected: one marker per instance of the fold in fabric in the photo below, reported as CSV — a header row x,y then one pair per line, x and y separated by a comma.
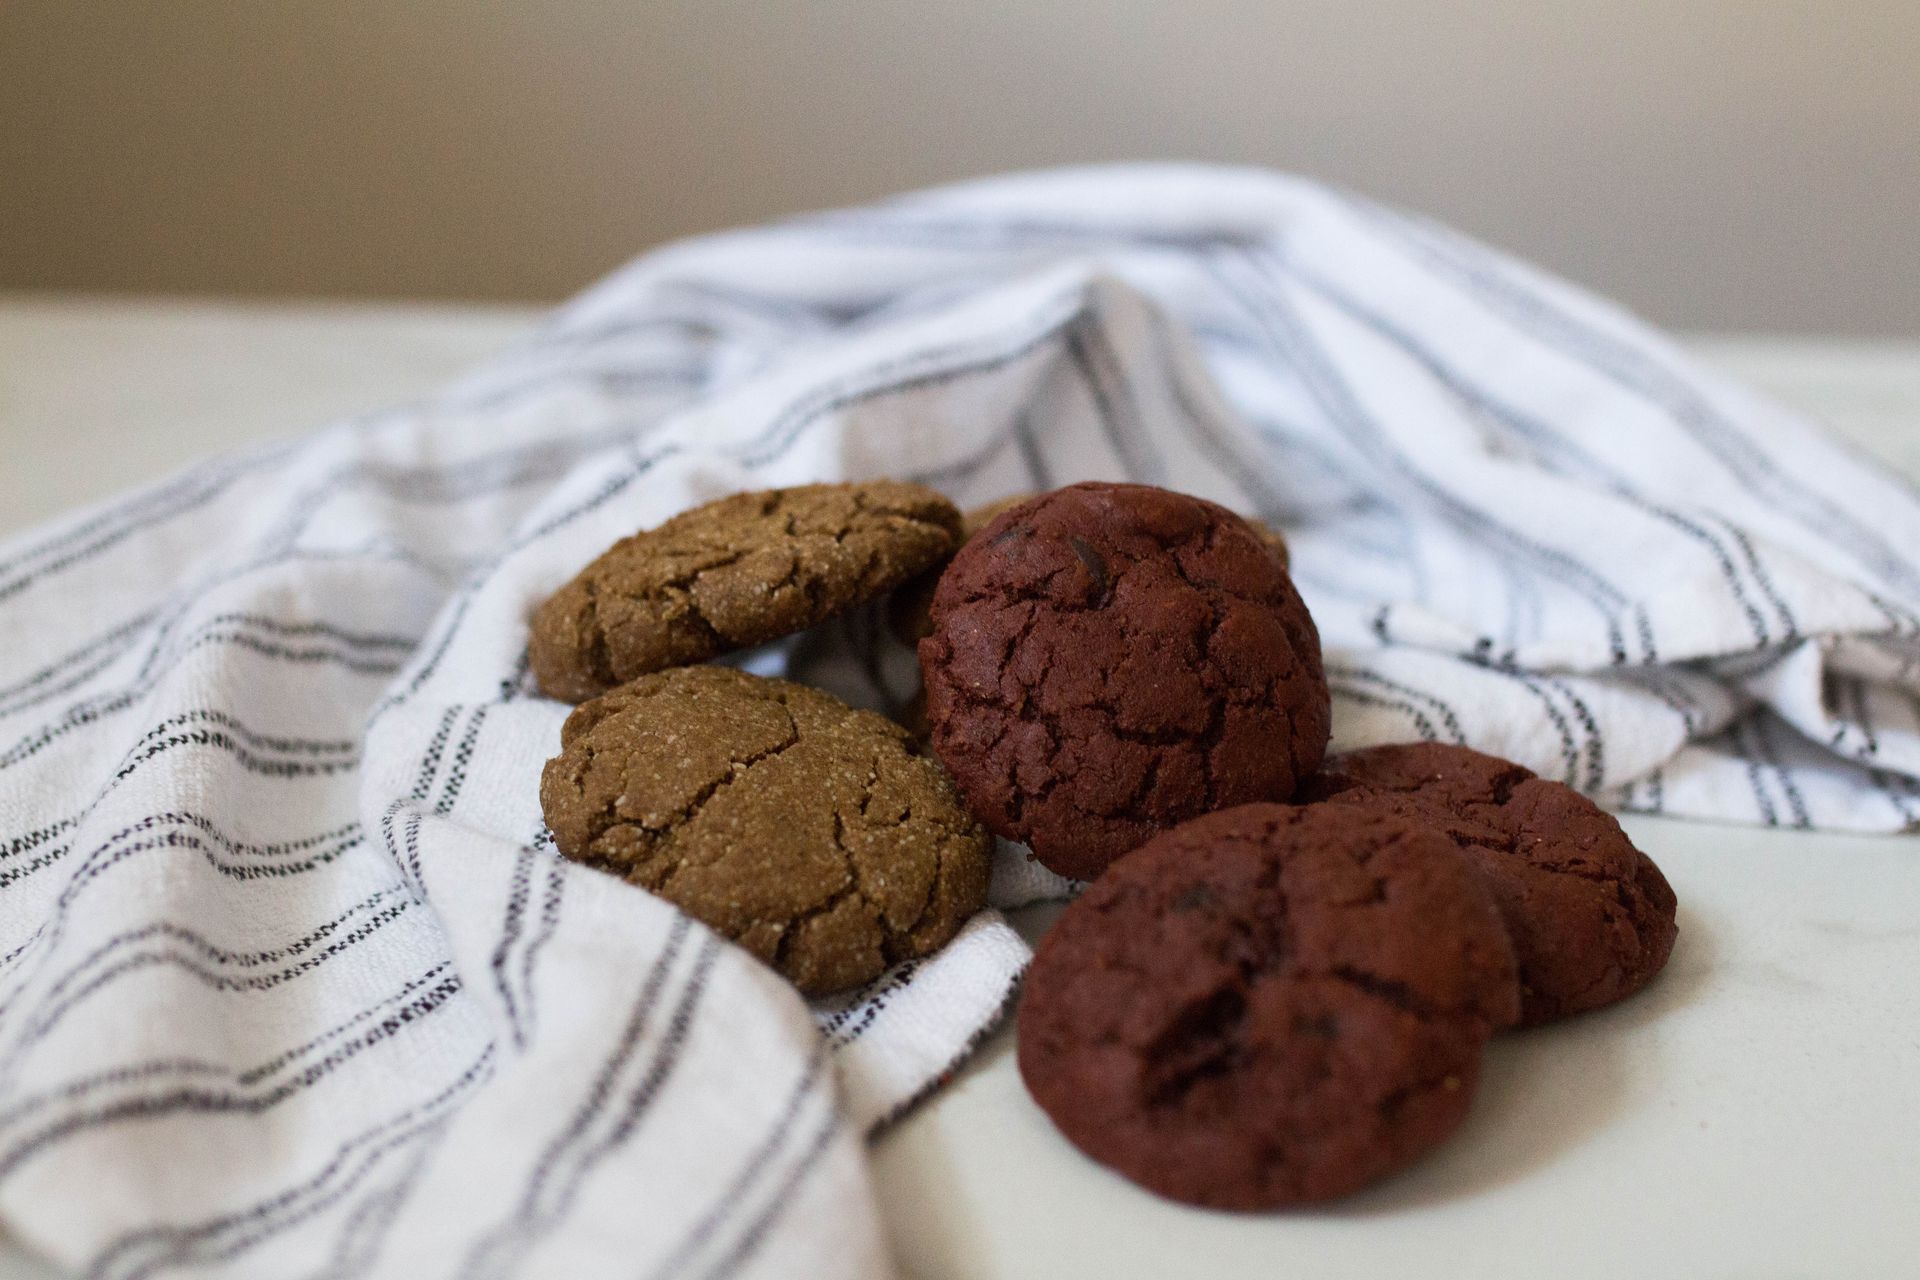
x,y
293,984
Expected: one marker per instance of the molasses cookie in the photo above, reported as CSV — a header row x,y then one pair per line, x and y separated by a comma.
x,y
734,573
1591,916
1268,1005
804,830
1109,660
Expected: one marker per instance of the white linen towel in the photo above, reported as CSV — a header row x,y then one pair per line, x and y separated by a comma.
x,y
292,984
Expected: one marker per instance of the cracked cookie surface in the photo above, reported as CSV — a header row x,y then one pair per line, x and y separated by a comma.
x,y
1110,660
1268,1005
1592,917
737,572
910,609
801,828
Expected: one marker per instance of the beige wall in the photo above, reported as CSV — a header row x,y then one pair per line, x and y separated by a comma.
x,y
1750,164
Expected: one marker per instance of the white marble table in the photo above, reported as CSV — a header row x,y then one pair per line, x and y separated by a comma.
x,y
1756,1114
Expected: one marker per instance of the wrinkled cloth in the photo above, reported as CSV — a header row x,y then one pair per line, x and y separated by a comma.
x,y
292,982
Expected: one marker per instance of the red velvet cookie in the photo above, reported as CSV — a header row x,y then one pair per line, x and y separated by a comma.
x,y
1591,916
1268,1005
1110,660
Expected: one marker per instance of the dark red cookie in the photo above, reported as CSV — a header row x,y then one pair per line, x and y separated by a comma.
x,y
1109,660
1591,916
1268,1005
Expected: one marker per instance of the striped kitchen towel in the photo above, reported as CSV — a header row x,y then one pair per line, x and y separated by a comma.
x,y
292,982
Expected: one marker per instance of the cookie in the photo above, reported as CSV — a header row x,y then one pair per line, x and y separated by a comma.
x,y
1591,916
802,829
1110,660
734,573
910,609
1268,1005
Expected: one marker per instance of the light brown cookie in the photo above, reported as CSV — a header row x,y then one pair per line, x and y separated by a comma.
x,y
734,573
804,830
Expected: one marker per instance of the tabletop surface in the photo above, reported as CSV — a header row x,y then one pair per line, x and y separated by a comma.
x,y
1756,1113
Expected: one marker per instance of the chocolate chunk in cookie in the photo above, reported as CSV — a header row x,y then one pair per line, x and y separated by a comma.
x,y
1591,916
1268,1005
734,573
804,830
1110,660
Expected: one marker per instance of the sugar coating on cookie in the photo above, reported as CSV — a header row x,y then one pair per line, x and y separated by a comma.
x,y
1268,1005
1110,660
1592,917
801,828
737,572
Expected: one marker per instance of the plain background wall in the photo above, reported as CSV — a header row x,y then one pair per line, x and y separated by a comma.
x,y
1729,164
